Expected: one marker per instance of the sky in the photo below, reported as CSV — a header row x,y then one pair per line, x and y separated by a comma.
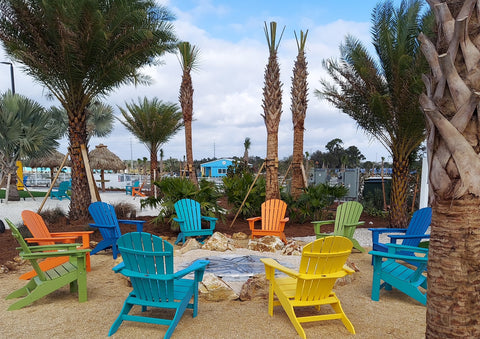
x,y
228,84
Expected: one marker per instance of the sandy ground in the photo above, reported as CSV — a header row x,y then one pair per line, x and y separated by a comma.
x,y
59,315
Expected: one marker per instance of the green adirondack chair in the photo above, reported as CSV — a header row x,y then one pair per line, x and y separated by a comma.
x,y
72,272
391,268
148,262
190,220
346,221
61,191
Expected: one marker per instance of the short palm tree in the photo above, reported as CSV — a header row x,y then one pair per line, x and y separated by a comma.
x,y
81,50
299,111
246,145
188,56
382,95
26,130
153,122
272,111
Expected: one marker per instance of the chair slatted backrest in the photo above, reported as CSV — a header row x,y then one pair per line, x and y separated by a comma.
x,y
25,249
273,211
104,214
148,254
36,226
63,186
347,213
323,256
189,211
418,225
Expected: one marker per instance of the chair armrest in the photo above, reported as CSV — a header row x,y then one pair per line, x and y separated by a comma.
x,y
399,256
138,223
354,224
413,236
195,266
102,226
271,265
74,233
254,219
209,218
393,248
323,222
119,267
251,222
388,230
56,239
56,247
41,255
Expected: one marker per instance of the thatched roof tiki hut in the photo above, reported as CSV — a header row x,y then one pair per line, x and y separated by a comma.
x,y
51,161
103,159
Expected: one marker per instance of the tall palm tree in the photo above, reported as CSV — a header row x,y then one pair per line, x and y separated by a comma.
x,y
450,103
299,111
26,130
246,145
188,56
381,96
80,50
153,122
272,111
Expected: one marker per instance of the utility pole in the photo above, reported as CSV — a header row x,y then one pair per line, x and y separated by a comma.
x,y
11,74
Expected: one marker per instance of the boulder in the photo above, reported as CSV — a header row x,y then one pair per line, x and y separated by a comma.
x,y
255,288
219,242
240,236
212,288
189,245
269,243
292,248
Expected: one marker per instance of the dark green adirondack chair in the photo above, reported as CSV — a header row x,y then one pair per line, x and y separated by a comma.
x,y
72,272
148,262
346,221
190,220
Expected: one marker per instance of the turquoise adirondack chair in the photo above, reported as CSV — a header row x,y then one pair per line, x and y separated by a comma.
x,y
128,188
391,268
72,272
410,236
61,191
148,262
190,220
106,221
346,221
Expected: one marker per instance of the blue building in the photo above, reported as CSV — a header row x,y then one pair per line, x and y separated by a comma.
x,y
215,168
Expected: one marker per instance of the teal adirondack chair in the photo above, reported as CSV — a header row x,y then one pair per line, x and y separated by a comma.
x,y
394,272
72,272
410,236
128,188
346,221
61,191
190,220
148,262
106,221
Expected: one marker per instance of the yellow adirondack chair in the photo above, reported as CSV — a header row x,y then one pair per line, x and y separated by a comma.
x,y
322,263
273,220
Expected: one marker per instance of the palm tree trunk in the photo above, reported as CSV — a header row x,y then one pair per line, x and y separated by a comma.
x,y
399,192
271,165
153,167
297,185
80,192
453,297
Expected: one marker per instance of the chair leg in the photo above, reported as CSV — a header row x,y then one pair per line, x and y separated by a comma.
x,y
291,314
116,324
338,309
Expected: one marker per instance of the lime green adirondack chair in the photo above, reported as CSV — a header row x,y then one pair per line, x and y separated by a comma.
x,y
346,221
72,272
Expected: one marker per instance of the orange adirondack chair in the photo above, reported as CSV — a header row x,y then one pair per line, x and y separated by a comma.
x,y
42,236
138,190
273,220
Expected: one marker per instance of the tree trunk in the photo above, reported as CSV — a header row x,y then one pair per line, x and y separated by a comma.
x,y
153,168
398,196
13,194
80,199
297,184
451,103
188,142
271,165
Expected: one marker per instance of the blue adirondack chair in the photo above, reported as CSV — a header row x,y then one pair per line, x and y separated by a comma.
x,y
190,220
106,221
411,236
61,191
128,188
148,262
394,272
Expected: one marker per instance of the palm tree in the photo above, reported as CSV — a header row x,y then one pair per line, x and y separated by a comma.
x,y
246,145
381,95
450,103
299,112
153,122
272,111
81,50
188,56
26,130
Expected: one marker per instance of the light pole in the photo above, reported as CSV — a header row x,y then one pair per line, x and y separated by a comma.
x,y
11,74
